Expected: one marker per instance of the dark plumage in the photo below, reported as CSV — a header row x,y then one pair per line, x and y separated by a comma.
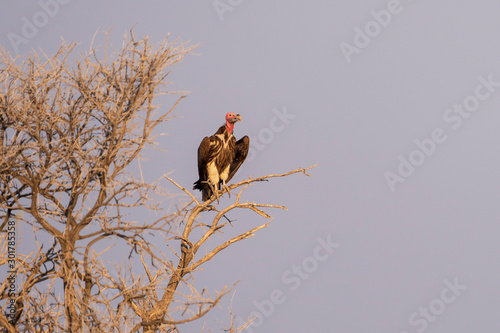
x,y
219,157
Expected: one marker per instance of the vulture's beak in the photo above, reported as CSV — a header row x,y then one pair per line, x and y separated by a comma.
x,y
235,119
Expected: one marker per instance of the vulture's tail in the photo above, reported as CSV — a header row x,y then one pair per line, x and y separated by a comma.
x,y
206,191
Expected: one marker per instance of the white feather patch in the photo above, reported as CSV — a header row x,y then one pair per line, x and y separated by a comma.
x,y
213,174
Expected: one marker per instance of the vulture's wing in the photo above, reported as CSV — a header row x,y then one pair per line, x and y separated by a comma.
x,y
203,157
241,147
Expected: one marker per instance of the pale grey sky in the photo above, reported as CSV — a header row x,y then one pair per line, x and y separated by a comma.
x,y
397,101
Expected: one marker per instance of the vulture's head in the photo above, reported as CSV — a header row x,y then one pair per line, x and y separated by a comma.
x,y
231,118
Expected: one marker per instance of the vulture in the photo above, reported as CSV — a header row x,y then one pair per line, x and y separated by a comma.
x,y
219,157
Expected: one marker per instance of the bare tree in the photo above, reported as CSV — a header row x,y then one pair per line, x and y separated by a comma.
x,y
70,128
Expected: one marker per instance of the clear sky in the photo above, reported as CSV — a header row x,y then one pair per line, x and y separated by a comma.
x,y
397,101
